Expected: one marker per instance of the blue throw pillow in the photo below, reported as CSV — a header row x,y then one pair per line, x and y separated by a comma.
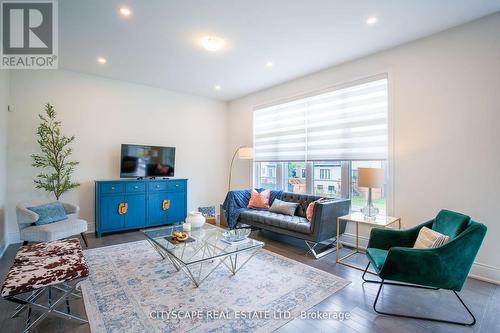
x,y
49,213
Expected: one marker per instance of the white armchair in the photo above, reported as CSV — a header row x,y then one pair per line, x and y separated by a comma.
x,y
30,232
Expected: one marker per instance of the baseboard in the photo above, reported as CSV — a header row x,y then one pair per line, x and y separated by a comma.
x,y
90,227
485,273
3,247
479,270
13,237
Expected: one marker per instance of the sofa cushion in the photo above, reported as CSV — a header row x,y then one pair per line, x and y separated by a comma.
x,y
377,257
283,207
292,223
54,231
310,209
303,199
49,213
450,223
259,199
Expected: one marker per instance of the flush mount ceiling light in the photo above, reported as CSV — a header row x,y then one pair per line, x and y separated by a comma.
x,y
101,60
212,43
371,20
124,11
217,87
269,64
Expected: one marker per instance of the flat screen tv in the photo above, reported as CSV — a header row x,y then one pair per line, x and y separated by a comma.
x,y
147,161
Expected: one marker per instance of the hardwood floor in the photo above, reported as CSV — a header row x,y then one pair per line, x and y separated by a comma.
x,y
356,299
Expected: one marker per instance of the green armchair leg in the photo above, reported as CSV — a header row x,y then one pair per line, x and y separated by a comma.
x,y
382,283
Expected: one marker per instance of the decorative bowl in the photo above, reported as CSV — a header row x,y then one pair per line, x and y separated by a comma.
x,y
236,235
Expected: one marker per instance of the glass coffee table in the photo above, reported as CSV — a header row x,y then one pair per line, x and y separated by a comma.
x,y
204,251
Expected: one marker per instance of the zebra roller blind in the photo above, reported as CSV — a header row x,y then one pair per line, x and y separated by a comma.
x,y
346,123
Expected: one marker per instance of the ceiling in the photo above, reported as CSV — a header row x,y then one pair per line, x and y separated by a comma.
x,y
158,45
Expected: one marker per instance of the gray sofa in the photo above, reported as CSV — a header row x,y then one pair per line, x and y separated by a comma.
x,y
322,229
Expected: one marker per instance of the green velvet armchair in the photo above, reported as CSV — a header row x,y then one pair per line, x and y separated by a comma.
x,y
393,257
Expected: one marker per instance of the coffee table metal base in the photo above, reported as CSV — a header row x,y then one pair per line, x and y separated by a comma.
x,y
195,273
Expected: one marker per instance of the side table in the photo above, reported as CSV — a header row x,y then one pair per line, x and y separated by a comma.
x,y
357,219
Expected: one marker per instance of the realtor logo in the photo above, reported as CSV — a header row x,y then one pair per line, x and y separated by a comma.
x,y
29,34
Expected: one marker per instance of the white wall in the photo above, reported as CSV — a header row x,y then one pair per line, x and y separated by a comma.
x,y
102,114
445,95
4,101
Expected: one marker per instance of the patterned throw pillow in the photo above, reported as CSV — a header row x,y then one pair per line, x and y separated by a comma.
x,y
207,211
310,209
49,213
429,239
283,207
259,200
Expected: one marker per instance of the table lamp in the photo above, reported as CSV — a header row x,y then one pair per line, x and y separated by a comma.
x,y
370,178
244,153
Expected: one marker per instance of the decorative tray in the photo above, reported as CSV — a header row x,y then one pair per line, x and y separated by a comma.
x,y
176,242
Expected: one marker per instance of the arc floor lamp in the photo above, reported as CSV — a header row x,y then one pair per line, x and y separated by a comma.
x,y
243,153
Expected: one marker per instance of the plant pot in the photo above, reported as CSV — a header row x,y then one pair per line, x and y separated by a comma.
x,y
196,219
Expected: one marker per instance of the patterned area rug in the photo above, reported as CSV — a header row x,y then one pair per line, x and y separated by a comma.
x,y
131,289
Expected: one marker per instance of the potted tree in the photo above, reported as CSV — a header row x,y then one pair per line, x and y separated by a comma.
x,y
54,159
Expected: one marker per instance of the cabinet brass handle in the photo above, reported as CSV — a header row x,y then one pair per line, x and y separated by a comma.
x,y
165,204
122,208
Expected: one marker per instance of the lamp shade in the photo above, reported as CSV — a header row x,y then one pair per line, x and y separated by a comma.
x,y
371,177
245,153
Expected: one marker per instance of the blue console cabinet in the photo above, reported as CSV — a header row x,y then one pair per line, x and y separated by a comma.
x,y
133,204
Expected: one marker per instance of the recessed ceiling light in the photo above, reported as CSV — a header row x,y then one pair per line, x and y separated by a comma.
x,y
102,60
212,43
269,64
217,87
125,11
372,20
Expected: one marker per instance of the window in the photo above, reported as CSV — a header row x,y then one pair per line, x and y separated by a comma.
x,y
267,175
328,175
271,172
324,174
294,180
315,144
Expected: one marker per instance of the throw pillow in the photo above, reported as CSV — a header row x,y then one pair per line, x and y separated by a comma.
x,y
429,239
310,209
49,213
283,207
259,200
